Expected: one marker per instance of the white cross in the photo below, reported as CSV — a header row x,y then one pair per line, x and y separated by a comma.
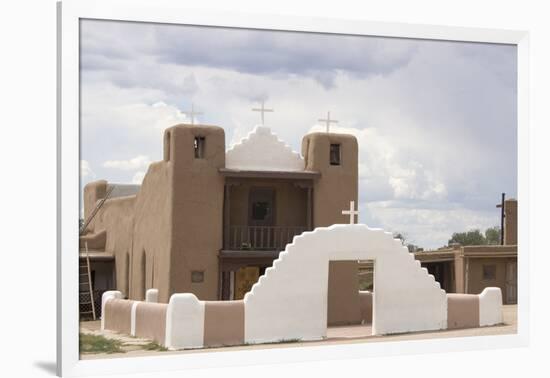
x,y
328,121
351,212
262,110
192,113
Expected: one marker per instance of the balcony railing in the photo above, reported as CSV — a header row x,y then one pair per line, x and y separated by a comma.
x,y
262,237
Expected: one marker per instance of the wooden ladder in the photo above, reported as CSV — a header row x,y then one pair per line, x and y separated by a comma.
x,y
95,210
85,292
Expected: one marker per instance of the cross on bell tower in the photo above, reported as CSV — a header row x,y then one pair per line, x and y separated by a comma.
x,y
328,121
192,113
262,110
351,212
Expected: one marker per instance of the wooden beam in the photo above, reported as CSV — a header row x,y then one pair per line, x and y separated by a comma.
x,y
296,175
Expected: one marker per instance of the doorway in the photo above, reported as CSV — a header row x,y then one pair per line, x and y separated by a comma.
x,y
245,278
512,283
261,217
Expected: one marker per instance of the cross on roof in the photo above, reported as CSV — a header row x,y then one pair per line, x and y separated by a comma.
x,y
351,212
262,110
192,113
328,121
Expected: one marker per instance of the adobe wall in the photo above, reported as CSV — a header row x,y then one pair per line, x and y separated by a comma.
x,y
338,185
332,193
511,222
290,302
462,311
116,219
150,321
290,202
197,217
476,284
93,192
150,257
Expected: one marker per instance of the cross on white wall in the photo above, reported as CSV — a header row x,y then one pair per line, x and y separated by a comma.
x,y
351,212
192,113
262,110
328,121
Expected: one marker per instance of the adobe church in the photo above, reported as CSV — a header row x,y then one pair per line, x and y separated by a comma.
x,y
209,221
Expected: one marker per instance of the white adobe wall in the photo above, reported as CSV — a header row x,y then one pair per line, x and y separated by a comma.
x,y
490,306
290,300
108,295
261,150
184,322
152,295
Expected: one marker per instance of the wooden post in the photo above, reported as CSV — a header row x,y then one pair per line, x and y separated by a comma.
x,y
502,215
309,208
225,285
466,275
226,212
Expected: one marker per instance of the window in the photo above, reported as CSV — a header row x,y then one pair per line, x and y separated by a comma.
x,y
167,146
197,276
260,210
334,154
199,147
489,272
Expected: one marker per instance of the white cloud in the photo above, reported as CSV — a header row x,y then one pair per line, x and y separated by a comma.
x,y
424,226
139,162
86,172
436,127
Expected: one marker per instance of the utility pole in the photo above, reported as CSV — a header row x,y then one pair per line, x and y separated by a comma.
x,y
501,206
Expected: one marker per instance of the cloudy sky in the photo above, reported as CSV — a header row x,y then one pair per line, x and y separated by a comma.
x,y
436,121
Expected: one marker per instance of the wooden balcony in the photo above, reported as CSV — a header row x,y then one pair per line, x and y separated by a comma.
x,y
268,238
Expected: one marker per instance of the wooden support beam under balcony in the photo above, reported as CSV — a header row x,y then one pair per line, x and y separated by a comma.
x,y
292,175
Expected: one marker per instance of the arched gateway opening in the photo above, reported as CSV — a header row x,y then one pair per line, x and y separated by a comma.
x,y
290,300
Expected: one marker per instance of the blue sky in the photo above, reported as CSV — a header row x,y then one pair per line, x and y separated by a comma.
x,y
436,121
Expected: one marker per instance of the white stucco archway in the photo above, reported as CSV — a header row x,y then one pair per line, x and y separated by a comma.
x,y
290,300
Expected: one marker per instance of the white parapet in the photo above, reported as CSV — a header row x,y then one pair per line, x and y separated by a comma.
x,y
262,150
490,306
184,322
290,302
152,296
111,294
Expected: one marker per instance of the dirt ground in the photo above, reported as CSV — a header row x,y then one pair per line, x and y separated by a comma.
x,y
134,346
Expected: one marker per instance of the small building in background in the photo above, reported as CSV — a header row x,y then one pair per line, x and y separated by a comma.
x,y
470,269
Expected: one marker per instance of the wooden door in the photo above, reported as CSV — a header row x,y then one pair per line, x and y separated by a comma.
x,y
511,283
245,278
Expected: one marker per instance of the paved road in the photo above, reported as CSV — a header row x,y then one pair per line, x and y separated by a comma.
x,y
335,335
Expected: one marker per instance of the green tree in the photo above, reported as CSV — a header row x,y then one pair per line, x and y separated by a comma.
x,y
400,236
475,237
492,235
472,237
403,237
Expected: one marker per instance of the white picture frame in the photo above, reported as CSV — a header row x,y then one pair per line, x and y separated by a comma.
x,y
172,11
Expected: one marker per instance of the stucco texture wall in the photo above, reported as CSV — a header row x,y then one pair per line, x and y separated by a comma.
x,y
149,260
197,216
150,321
116,219
476,283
